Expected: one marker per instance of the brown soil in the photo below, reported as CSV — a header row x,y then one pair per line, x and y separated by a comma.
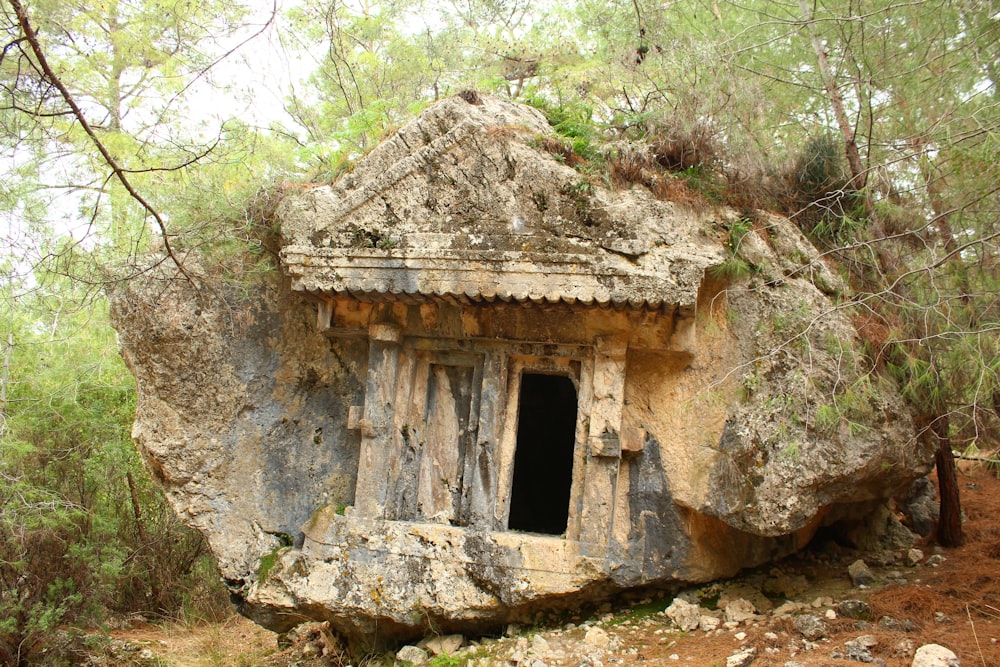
x,y
965,588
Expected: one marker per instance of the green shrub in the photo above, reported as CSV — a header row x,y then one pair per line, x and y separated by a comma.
x,y
819,168
574,121
84,532
735,267
826,419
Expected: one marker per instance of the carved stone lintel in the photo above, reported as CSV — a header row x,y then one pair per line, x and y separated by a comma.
x,y
611,346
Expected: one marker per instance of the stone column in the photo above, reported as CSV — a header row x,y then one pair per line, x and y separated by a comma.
x,y
371,488
482,468
603,443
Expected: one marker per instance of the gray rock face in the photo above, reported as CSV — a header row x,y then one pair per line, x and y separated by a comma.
x,y
881,531
484,385
921,506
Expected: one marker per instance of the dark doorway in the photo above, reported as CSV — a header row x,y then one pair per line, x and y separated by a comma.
x,y
543,460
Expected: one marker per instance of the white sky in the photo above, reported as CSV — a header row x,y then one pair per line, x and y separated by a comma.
x,y
250,84
253,82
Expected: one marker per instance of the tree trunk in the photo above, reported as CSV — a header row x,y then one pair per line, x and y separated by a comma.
x,y
152,578
949,531
858,175
5,379
136,507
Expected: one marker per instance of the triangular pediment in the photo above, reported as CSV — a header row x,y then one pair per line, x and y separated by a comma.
x,y
465,202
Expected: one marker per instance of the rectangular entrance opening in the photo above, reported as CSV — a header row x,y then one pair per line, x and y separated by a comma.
x,y
543,457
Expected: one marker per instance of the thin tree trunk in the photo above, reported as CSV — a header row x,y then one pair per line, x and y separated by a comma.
x,y
136,508
5,380
155,592
949,531
858,176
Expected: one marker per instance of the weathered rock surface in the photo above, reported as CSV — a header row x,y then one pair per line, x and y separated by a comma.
x,y
810,626
921,506
412,654
685,615
742,658
935,655
740,610
446,645
347,435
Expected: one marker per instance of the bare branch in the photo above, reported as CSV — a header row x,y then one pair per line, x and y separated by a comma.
x,y
120,173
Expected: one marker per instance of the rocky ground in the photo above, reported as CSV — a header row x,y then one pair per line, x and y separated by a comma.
x,y
829,605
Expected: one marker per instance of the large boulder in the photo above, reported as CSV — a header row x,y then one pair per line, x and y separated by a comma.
x,y
483,384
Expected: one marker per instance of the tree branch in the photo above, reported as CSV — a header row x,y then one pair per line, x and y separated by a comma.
x,y
120,173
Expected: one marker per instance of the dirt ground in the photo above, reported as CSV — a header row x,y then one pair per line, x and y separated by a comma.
x,y
965,588
234,642
955,603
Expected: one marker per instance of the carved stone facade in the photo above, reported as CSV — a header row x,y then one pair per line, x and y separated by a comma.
x,y
493,435
504,420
